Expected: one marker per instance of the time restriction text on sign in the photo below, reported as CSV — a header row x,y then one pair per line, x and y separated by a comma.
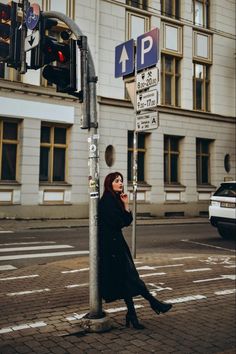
x,y
146,100
147,121
147,79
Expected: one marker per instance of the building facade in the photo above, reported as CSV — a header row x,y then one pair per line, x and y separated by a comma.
x,y
44,152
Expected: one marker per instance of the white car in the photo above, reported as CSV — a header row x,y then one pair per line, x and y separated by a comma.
x,y
222,209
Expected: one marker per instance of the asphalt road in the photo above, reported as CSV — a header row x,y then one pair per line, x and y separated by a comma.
x,y
49,245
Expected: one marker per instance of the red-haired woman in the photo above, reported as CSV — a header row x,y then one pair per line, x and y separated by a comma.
x,y
119,278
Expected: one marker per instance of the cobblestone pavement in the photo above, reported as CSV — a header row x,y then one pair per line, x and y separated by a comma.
x,y
42,306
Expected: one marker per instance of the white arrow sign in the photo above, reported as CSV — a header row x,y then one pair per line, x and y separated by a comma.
x,y
31,41
123,58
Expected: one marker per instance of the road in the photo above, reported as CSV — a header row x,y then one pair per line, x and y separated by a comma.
x,y
43,299
48,245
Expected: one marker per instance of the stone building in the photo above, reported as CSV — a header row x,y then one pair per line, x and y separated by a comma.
x,y
44,152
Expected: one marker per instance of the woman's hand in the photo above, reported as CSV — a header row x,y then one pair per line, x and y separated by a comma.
x,y
124,198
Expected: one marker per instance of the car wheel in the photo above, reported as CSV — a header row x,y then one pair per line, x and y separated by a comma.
x,y
225,232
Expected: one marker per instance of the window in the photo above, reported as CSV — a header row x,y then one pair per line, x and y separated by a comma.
x,y
141,156
66,7
170,75
53,148
171,159
140,4
201,87
201,13
8,150
137,24
203,161
170,8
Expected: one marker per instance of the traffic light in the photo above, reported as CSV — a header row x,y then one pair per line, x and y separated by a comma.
x,y
63,75
62,53
10,35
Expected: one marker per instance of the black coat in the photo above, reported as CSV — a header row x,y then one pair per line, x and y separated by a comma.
x,y
118,276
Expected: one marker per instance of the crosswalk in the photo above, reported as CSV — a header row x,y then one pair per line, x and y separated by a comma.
x,y
10,252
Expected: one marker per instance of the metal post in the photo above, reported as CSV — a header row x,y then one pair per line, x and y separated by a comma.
x,y
95,321
23,68
135,179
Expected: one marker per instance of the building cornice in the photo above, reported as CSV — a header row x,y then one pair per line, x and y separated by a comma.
x,y
168,110
33,90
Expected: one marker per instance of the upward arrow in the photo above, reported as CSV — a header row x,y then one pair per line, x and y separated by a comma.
x,y
123,58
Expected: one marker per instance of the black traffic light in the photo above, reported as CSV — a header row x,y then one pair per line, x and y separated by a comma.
x,y
10,35
63,75
62,53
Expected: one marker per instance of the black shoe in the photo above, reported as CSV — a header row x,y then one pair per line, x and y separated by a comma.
x,y
160,307
134,321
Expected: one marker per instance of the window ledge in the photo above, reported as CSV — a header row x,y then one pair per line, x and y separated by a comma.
x,y
174,188
55,184
10,183
206,188
140,186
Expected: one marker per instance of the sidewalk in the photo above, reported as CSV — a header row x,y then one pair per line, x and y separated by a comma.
x,y
23,224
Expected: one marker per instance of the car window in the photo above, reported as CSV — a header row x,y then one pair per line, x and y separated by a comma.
x,y
226,190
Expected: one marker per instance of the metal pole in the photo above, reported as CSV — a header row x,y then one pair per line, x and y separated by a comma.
x,y
23,68
90,108
135,179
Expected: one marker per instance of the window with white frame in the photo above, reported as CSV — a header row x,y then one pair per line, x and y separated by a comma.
x,y
53,151
9,141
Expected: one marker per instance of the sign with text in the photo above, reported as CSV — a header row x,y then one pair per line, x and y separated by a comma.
x,y
147,79
146,100
146,121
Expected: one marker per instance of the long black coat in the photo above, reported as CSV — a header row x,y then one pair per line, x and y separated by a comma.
x,y
118,276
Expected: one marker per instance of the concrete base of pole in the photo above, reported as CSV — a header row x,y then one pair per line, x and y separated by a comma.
x,y
96,325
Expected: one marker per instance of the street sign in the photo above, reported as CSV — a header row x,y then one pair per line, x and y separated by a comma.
x,y
32,16
124,58
146,121
147,79
31,41
147,49
146,100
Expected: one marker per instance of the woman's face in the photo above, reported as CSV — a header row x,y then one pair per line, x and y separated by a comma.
x,y
117,184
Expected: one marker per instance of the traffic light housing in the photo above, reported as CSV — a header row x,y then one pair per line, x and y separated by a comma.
x,y
63,55
10,35
63,75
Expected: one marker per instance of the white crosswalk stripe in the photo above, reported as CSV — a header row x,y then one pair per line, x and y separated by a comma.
x,y
25,250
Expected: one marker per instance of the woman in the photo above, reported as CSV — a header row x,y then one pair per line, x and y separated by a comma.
x,y
119,278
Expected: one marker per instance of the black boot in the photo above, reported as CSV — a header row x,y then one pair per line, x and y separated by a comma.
x,y
131,316
157,306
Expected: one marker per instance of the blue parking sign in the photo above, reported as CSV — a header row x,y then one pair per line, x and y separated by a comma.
x,y
147,49
124,58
